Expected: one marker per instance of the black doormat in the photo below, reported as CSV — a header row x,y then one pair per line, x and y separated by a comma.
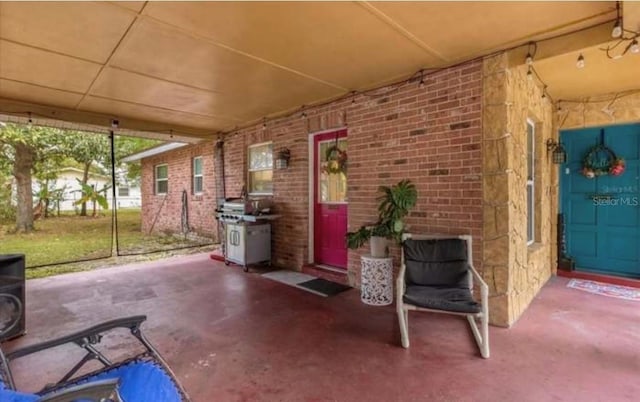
x,y
323,287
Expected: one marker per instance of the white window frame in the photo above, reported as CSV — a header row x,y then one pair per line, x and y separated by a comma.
x,y
157,180
531,179
249,170
120,188
196,175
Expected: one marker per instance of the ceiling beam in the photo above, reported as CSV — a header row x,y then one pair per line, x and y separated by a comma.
x,y
402,30
69,116
572,42
631,15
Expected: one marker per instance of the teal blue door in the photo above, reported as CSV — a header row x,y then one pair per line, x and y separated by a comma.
x,y
602,215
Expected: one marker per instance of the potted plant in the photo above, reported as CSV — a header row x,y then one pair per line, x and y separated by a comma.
x,y
376,234
394,204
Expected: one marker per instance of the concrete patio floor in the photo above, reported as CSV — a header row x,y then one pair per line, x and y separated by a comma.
x,y
232,336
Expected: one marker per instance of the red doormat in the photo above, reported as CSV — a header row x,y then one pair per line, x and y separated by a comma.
x,y
605,289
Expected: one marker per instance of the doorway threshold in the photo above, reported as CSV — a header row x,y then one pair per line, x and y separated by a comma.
x,y
327,272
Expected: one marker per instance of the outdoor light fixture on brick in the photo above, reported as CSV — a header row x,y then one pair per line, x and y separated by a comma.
x,y
282,160
559,155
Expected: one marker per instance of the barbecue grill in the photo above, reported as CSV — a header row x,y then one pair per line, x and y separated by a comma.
x,y
247,231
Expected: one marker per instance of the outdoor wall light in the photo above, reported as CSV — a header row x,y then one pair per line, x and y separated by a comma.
x,y
559,155
282,159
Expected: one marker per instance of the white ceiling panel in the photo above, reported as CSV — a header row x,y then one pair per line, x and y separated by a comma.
x,y
87,30
338,42
37,94
40,67
160,51
167,117
459,29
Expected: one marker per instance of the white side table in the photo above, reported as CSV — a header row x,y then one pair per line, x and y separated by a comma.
x,y
376,288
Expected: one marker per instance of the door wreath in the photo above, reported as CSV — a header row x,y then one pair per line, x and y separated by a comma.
x,y
336,160
601,161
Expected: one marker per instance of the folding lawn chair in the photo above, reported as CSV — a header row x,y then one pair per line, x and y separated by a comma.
x,y
142,377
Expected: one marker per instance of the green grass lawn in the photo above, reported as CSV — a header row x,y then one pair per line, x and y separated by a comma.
x,y
60,239
72,238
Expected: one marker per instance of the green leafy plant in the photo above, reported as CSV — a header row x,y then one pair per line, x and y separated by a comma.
x,y
394,205
90,194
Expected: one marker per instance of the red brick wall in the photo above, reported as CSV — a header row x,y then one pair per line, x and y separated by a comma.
x,y
162,213
431,135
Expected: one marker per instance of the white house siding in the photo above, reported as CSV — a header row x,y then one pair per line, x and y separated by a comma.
x,y
73,192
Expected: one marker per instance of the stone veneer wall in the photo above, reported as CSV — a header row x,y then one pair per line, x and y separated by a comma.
x,y
601,110
431,135
514,270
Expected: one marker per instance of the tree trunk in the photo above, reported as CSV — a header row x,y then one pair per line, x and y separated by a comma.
x,y
85,179
46,200
22,172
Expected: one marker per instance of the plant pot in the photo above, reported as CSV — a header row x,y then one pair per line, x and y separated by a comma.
x,y
378,246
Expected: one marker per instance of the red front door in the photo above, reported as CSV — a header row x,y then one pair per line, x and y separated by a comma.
x,y
330,199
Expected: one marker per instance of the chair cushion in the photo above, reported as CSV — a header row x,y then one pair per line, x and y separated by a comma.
x,y
7,395
141,381
459,300
436,262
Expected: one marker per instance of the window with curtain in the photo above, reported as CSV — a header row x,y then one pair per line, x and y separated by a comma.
x,y
531,166
162,179
260,175
197,175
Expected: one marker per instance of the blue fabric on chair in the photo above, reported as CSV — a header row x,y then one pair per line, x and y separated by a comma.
x,y
144,377
7,395
141,382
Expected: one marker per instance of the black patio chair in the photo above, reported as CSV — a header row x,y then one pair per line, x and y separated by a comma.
x,y
437,275
142,377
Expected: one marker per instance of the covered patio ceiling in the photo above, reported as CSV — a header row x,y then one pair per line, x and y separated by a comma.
x,y
197,68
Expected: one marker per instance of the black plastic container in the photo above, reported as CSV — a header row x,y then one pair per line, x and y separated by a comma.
x,y
12,282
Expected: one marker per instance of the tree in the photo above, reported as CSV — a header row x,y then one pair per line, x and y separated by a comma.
x,y
39,152
49,197
90,194
88,149
28,148
125,146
